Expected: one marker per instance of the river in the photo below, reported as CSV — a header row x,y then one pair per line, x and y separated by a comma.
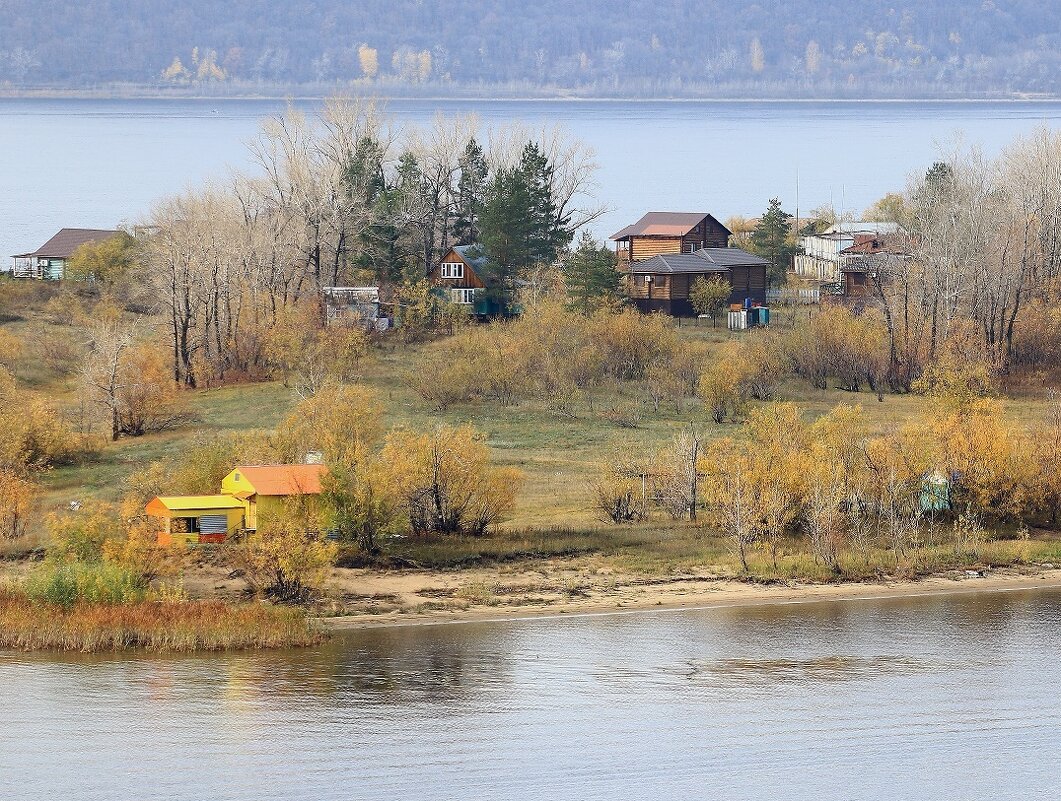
x,y
945,697
96,163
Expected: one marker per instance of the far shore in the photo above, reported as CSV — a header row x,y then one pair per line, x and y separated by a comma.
x,y
704,594
297,95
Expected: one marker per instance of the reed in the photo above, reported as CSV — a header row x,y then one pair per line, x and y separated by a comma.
x,y
152,625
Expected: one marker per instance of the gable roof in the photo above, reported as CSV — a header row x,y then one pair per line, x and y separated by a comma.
x,y
472,255
665,223
283,479
705,260
64,243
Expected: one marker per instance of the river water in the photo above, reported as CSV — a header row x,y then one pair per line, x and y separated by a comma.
x,y
946,697
95,163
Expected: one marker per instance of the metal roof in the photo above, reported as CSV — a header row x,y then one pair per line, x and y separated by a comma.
x,y
664,223
705,260
283,479
64,243
187,503
472,254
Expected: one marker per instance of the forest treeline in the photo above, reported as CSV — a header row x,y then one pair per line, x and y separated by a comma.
x,y
767,48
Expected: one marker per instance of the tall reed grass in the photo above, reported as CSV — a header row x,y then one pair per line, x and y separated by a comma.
x,y
163,625
68,583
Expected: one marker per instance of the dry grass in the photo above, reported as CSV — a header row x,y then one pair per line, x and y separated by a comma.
x,y
681,549
150,625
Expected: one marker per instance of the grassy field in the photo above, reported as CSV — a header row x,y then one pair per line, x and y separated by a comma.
x,y
554,546
559,455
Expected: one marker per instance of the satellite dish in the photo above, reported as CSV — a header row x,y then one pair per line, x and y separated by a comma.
x,y
382,324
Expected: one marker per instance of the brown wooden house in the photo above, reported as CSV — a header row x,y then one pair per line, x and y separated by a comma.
x,y
662,232
662,283
459,275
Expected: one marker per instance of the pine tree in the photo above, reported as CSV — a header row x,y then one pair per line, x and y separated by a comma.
x,y
591,275
506,228
471,194
770,239
549,231
378,247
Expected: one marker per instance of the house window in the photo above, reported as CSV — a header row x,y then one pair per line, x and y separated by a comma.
x,y
452,269
688,247
463,296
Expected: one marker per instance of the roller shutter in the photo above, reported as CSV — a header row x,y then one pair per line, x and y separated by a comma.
x,y
213,524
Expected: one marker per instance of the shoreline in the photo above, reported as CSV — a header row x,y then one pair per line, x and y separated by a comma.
x,y
718,594
74,94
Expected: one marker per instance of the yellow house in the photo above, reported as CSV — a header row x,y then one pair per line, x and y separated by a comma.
x,y
263,488
191,519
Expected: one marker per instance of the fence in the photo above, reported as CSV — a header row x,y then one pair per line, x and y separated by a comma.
x,y
794,296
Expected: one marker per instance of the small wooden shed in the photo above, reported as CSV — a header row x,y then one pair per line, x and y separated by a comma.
x,y
194,519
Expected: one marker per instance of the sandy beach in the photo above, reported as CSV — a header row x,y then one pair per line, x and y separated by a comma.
x,y
622,597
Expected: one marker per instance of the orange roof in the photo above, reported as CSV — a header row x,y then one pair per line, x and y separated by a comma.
x,y
284,479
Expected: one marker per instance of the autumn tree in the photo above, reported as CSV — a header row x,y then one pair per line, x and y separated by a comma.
x,y
676,478
721,387
105,261
447,482
286,558
709,297
18,496
130,382
620,491
778,475
731,492
341,422
368,60
33,433
891,207
311,354
149,400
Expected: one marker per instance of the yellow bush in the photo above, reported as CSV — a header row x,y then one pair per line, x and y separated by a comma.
x,y
446,480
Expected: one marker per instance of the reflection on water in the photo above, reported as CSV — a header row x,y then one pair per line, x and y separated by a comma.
x,y
816,669
947,697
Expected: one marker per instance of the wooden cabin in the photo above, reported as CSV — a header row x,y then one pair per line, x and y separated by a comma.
x,y
662,283
48,262
665,232
459,275
264,488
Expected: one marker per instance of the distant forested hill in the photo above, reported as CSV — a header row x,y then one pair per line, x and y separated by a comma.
x,y
604,47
